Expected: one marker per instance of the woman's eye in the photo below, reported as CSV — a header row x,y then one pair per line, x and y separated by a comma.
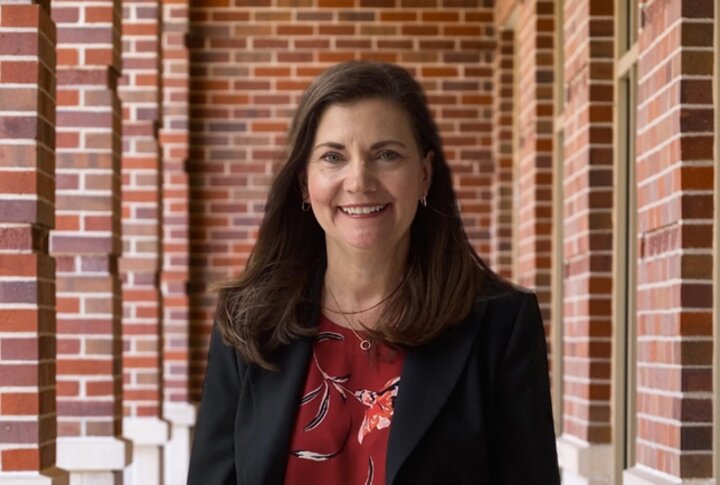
x,y
389,155
331,157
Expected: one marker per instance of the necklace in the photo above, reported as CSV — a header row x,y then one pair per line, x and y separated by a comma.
x,y
333,310
365,344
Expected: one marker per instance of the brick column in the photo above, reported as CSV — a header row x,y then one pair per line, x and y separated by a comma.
x,y
140,92
675,218
174,138
86,241
533,184
27,271
587,254
534,158
501,255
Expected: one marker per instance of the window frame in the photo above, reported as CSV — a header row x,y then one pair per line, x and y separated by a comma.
x,y
624,372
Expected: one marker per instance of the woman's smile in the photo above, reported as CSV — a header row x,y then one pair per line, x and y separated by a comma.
x,y
364,211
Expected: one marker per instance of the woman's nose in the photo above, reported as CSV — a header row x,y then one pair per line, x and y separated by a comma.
x,y
361,177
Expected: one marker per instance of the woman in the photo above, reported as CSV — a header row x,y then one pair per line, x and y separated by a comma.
x,y
367,342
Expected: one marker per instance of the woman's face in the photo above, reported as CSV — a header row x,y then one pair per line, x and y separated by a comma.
x,y
365,176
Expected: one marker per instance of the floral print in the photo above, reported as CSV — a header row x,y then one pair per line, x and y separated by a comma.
x,y
345,411
380,407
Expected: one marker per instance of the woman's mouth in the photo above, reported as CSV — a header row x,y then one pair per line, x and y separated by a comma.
x,y
363,210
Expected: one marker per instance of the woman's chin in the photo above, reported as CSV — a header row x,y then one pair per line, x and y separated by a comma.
x,y
365,245
368,243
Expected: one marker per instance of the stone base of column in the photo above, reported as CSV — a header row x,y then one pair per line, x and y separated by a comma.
x,y
582,463
177,451
148,436
93,461
640,475
49,476
96,478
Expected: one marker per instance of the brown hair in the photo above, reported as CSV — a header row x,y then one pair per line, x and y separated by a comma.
x,y
277,298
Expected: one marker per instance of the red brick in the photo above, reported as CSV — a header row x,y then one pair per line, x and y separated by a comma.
x,y
99,57
24,375
398,16
18,43
84,367
336,29
100,388
84,35
98,14
20,16
335,57
335,3
85,409
414,30
21,72
68,57
19,403
462,30
79,119
16,349
18,127
20,460
18,183
65,15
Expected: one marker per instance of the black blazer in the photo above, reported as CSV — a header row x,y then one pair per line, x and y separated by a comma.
x,y
473,407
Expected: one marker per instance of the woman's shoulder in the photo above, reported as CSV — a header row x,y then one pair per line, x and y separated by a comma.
x,y
502,308
504,294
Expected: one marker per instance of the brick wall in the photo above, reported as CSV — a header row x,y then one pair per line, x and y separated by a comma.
x,y
587,218
27,271
249,66
674,298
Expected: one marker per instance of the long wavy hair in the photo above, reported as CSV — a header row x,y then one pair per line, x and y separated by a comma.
x,y
277,298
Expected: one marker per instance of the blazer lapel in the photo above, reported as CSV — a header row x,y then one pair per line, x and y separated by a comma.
x,y
429,375
266,414
269,402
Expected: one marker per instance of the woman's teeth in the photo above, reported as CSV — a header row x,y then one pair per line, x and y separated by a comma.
x,y
356,211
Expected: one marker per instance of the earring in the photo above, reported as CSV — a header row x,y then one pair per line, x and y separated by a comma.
x,y
305,206
423,201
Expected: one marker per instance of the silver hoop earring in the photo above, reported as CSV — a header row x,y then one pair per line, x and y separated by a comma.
x,y
305,206
423,201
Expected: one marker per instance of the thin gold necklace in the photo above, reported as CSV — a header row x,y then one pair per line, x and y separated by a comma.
x,y
390,295
365,344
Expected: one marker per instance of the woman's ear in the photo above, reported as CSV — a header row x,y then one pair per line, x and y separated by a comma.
x,y
427,171
302,183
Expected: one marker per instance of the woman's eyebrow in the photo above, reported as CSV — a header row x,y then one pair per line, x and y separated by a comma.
x,y
384,143
330,144
374,146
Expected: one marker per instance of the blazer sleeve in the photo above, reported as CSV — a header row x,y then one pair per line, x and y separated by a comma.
x,y
212,459
523,444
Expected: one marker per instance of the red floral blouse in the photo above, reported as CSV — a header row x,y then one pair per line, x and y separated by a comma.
x,y
343,422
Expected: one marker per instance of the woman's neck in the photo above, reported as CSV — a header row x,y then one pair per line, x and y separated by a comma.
x,y
361,280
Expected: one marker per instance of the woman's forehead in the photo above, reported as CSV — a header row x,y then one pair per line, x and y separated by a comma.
x,y
365,120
